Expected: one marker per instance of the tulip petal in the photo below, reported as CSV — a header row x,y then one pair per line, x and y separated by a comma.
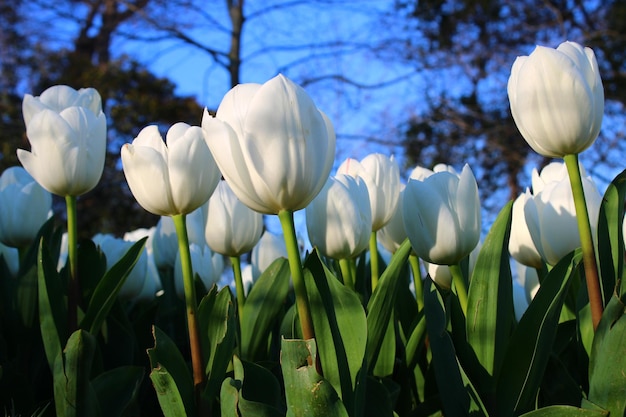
x,y
146,172
192,170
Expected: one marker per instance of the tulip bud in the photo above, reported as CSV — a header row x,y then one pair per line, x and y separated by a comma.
x,y
232,228
172,177
521,245
382,177
557,99
67,133
442,216
25,207
551,217
269,248
339,219
272,144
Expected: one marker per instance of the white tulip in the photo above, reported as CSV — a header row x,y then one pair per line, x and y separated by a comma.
x,y
272,144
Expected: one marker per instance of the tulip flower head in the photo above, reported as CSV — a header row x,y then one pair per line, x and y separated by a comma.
x,y
25,207
207,265
232,228
382,177
272,144
67,134
551,217
557,99
165,241
442,216
172,177
339,219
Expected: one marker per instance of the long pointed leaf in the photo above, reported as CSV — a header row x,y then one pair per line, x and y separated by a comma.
x,y
340,328
264,303
458,395
52,306
105,293
531,343
382,302
610,239
490,297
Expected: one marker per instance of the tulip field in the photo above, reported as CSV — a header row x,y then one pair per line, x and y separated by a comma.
x,y
209,314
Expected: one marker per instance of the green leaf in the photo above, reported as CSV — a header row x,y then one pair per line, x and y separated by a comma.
x,y
168,394
340,328
71,374
92,266
564,411
458,395
117,389
217,323
610,240
490,313
105,293
531,343
254,392
607,364
307,393
265,301
382,302
171,376
52,305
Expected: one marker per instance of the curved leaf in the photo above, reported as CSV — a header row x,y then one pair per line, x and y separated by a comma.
x,y
531,343
265,301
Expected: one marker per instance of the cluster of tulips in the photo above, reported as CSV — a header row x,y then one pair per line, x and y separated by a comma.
x,y
339,330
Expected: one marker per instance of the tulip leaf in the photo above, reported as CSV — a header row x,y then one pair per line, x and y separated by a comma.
x,y
217,323
490,296
458,395
105,294
306,391
531,343
607,364
382,302
263,304
170,376
565,411
117,389
253,392
52,305
340,328
72,369
610,239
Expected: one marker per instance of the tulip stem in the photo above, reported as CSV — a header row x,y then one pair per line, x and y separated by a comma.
x,y
586,240
459,286
297,274
72,252
417,280
241,296
191,304
346,272
374,260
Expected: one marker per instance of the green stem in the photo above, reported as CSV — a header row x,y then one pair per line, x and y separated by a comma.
x,y
346,273
586,240
72,252
241,296
417,280
191,304
459,285
297,274
374,260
